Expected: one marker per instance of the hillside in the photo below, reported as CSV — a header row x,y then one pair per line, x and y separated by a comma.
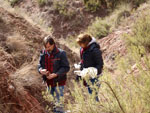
x,y
24,24
21,85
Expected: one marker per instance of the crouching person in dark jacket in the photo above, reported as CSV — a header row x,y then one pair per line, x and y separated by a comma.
x,y
91,58
53,66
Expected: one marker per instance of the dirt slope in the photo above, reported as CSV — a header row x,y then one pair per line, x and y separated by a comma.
x,y
20,83
20,43
114,44
63,26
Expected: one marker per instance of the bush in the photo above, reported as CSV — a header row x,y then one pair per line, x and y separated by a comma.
x,y
136,3
14,2
19,50
63,8
102,27
42,2
141,33
112,4
99,28
92,5
121,12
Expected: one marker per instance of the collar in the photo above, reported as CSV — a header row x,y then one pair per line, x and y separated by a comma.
x,y
54,51
92,41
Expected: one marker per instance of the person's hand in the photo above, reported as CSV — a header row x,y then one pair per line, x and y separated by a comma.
x,y
77,66
44,72
51,76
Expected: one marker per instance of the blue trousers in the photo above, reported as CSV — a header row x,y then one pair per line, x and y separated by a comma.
x,y
57,92
90,90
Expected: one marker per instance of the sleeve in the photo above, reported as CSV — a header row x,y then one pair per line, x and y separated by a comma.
x,y
97,56
41,63
64,64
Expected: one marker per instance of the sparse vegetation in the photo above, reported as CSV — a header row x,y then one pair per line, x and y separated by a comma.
x,y
102,27
63,8
121,12
92,5
113,3
18,49
122,15
99,28
127,90
141,31
13,2
42,2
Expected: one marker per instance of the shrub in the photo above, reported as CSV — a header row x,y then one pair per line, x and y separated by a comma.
x,y
18,48
112,4
99,28
63,8
102,27
141,31
92,5
136,3
42,2
121,12
13,2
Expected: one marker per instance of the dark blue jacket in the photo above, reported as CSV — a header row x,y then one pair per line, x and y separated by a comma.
x,y
59,64
92,57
